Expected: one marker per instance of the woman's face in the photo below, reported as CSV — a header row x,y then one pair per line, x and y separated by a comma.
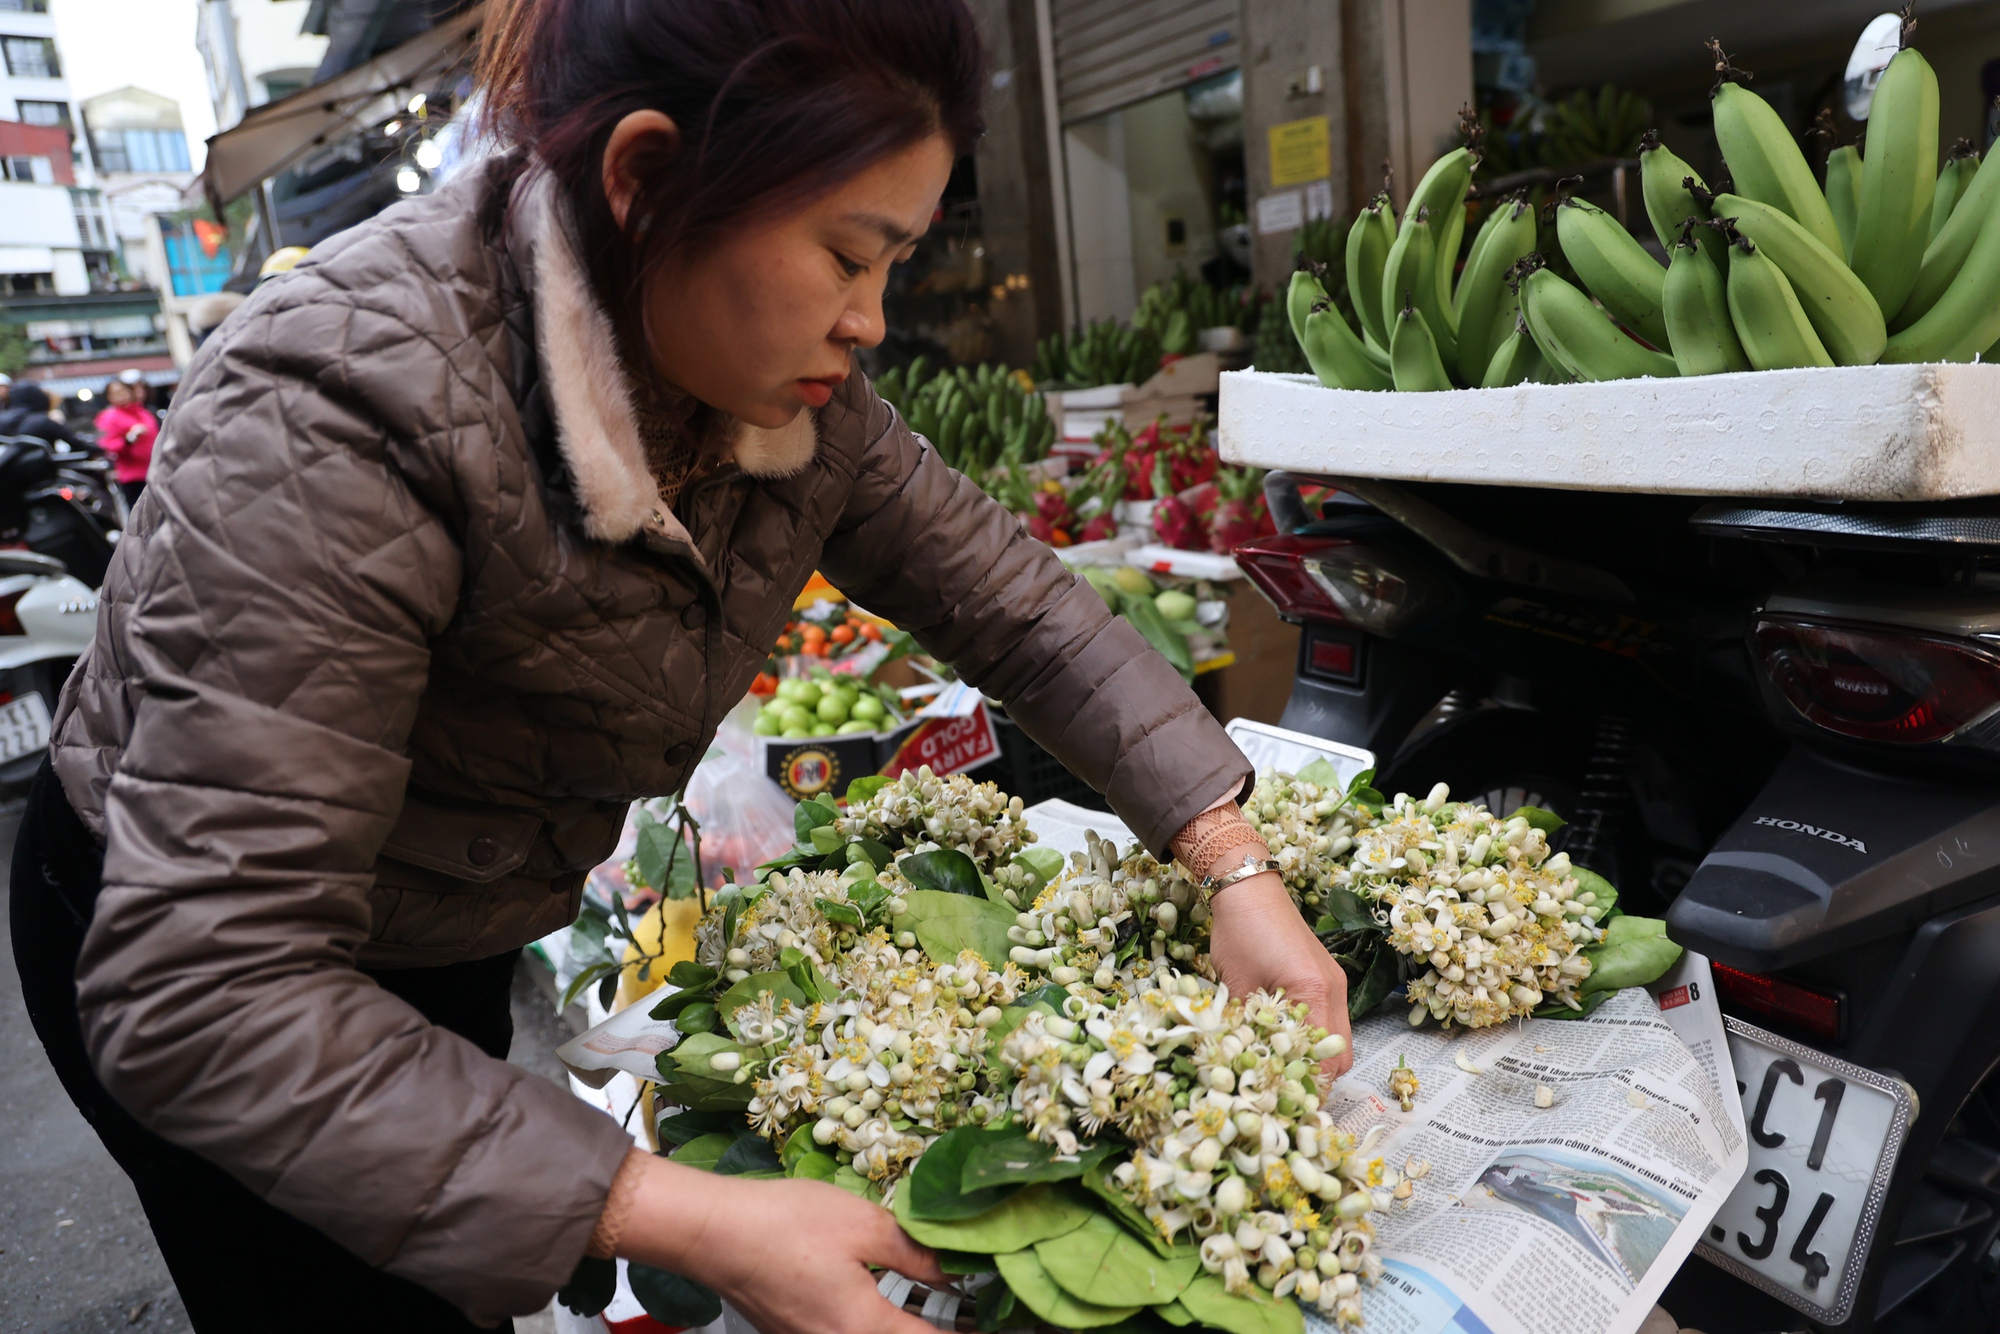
x,y
117,394
762,324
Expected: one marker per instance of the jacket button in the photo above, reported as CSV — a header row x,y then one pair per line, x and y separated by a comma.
x,y
694,616
482,852
678,753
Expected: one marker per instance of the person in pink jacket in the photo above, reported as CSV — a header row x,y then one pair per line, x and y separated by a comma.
x,y
126,430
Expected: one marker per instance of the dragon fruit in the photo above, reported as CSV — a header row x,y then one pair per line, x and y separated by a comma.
x,y
1240,513
1099,528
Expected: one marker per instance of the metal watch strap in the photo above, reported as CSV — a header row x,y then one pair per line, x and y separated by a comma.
x,y
1250,866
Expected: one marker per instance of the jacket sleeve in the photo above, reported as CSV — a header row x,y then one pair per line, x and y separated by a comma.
x,y
928,549
271,621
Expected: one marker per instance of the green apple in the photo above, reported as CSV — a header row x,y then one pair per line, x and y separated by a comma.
x,y
855,728
798,720
767,724
822,729
832,709
868,709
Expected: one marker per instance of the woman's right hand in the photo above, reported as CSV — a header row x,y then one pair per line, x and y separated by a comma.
x,y
792,1256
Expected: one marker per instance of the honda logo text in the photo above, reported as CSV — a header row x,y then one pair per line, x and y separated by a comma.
x,y
1795,827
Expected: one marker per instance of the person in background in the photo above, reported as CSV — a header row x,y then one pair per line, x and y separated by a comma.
x,y
6,384
126,430
29,413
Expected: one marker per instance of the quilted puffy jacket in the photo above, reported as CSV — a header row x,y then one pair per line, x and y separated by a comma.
x,y
400,630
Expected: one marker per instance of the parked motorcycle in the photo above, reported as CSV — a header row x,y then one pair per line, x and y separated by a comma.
x,y
61,502
1777,725
47,619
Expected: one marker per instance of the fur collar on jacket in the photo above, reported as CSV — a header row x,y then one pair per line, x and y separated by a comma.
x,y
587,392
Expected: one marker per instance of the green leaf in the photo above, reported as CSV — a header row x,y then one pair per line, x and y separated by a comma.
x,y
1375,983
586,936
805,974
699,1017
798,1146
753,986
1145,618
810,815
1103,1264
854,1183
1040,1293
672,1006
1174,1313
685,1126
704,1151
947,870
878,854
1546,821
585,978
592,1285
843,913
996,1306
935,1190
1045,864
796,857
965,1262
861,789
750,1153
827,839
1590,882
816,1166
947,924
674,1301
1320,773
1634,951
690,976
1099,1183
1207,1301
658,845
1022,1219
1346,911
1016,1160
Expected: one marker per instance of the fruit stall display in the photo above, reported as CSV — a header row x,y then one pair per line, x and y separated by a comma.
x,y
1031,1062
1894,259
826,705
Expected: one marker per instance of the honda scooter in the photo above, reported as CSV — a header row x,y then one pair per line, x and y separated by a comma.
x,y
1775,724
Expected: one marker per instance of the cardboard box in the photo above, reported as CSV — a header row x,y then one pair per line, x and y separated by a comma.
x,y
807,767
1175,392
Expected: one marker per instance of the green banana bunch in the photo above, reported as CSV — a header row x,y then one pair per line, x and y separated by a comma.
x,y
1892,224
1773,327
1485,306
1842,311
1305,292
1410,279
1441,194
1338,357
1965,321
1103,353
1946,254
1669,186
1369,241
1695,301
1765,161
1578,338
1589,127
1414,362
974,418
1961,165
1615,268
1843,193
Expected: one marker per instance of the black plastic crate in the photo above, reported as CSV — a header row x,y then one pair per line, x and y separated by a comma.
x,y
1027,771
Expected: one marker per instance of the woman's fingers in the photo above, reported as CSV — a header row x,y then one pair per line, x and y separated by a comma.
x,y
896,1251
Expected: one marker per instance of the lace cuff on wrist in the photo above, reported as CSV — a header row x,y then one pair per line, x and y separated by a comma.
x,y
610,1228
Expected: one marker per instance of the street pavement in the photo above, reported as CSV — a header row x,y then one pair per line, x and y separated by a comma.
x,y
76,1256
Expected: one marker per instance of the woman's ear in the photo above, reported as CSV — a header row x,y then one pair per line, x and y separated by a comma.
x,y
633,139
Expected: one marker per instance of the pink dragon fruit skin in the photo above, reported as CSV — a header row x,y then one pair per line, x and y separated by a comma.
x,y
1052,508
1233,524
1039,528
1175,524
1099,529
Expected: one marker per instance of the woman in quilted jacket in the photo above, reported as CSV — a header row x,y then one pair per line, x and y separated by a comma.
x,y
463,535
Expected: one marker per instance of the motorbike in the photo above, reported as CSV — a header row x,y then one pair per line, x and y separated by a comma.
x,y
61,502
1777,725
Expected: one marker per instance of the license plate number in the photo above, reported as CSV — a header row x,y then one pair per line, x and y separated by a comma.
x,y
1824,1135
24,727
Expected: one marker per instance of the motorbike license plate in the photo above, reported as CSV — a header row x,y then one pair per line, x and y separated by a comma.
x,y
24,727
1824,1135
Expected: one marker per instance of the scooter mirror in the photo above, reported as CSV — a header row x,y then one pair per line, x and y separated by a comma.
x,y
1880,41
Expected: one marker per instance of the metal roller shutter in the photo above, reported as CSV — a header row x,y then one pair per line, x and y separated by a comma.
x,y
1110,53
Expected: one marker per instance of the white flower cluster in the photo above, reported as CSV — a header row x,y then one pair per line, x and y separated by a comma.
x,y
1082,921
779,914
1308,828
896,1060
1220,1098
1499,921
920,810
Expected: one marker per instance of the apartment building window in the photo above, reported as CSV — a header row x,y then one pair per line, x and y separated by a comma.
x,y
141,150
88,206
31,57
43,113
24,6
32,169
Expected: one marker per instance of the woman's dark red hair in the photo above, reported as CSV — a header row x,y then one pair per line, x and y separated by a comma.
x,y
777,102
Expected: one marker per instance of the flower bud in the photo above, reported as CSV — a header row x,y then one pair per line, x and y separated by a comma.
x,y
1205,1155
725,1062
824,1131
1305,1173
1355,1204
1329,1047
1232,1197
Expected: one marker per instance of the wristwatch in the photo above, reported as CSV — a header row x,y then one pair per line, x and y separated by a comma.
x,y
1215,884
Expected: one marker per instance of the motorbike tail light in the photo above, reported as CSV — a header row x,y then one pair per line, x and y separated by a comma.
x,y
1877,684
1333,580
10,620
1805,1008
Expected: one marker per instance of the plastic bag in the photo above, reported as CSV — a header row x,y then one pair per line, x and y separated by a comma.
x,y
746,819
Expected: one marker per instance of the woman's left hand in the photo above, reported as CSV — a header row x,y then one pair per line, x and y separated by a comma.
x,y
1260,942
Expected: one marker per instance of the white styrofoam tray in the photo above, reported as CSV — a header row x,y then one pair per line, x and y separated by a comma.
x,y
1875,433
